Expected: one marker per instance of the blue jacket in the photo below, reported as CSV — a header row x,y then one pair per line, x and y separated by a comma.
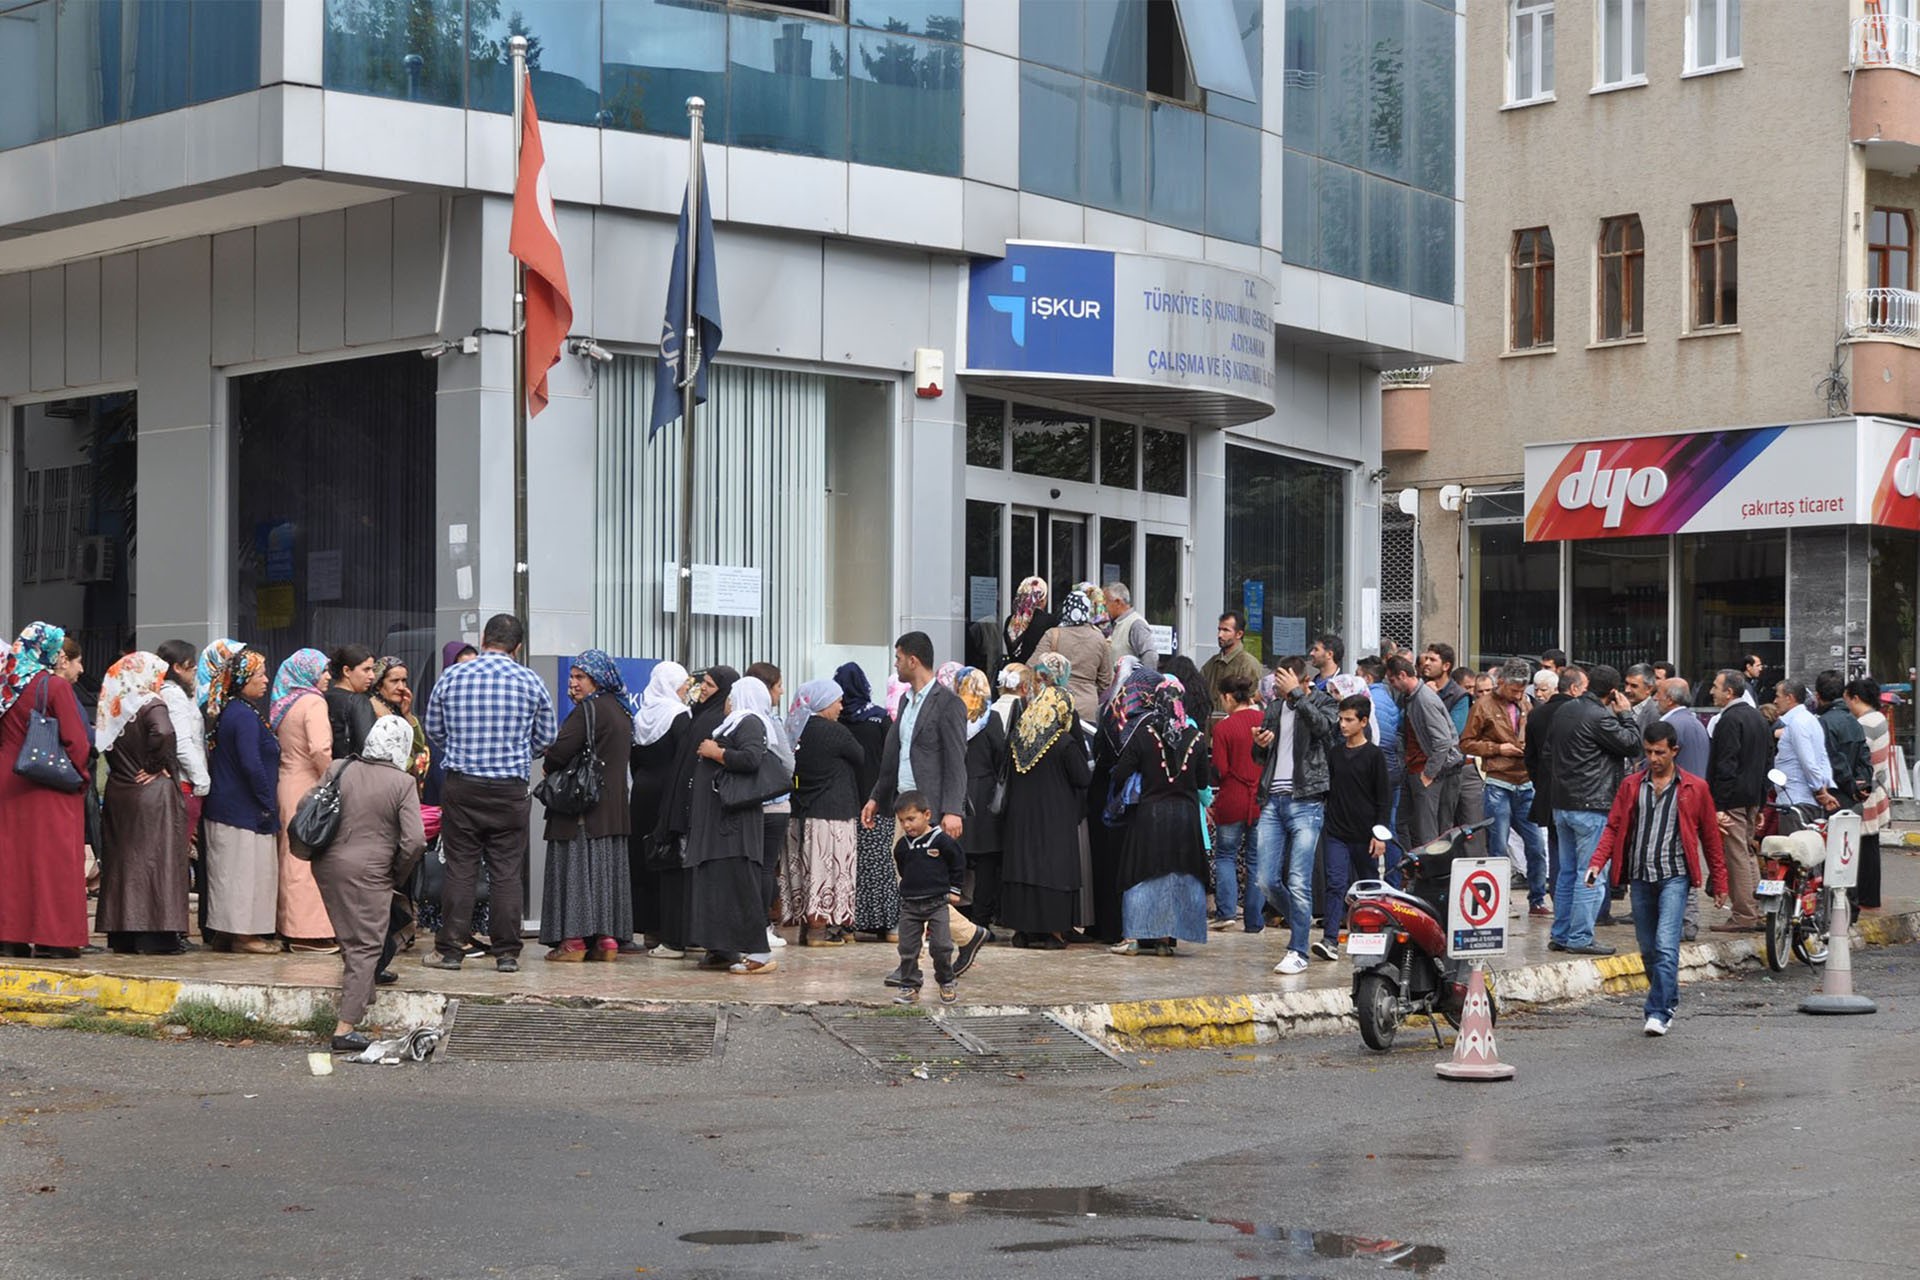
x,y
245,771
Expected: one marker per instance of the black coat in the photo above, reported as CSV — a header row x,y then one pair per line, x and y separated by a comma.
x,y
1021,650
1739,758
1591,746
1539,757
986,757
351,715
827,763
613,739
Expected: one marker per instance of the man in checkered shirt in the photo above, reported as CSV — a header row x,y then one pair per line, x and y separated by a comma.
x,y
489,717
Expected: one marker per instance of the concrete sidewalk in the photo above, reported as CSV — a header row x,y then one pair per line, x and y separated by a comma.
x,y
1221,993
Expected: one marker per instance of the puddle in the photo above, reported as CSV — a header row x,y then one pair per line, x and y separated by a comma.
x,y
741,1237
1398,1254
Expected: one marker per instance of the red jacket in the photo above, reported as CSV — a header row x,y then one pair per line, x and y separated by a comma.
x,y
1239,772
1699,827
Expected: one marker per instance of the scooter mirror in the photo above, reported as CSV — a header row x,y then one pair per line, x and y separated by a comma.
x,y
1383,835
1776,777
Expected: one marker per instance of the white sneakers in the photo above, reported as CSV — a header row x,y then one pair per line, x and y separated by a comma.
x,y
1657,1026
1326,950
1293,963
773,937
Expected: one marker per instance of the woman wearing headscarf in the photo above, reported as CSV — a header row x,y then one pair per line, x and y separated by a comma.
x,y
1110,802
1029,622
43,904
143,828
1163,858
300,724
725,847
379,840
391,694
675,826
659,733
242,809
818,874
777,813
1078,641
876,891
1046,785
587,904
189,726
986,761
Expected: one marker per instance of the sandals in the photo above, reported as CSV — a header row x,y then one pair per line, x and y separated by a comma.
x,y
1127,948
605,949
746,968
568,953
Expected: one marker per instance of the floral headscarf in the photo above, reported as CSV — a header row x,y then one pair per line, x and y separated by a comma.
x,y
223,684
976,694
214,660
1097,602
1046,720
949,675
1132,701
1345,686
34,652
1052,671
390,741
131,684
814,697
1077,609
857,706
896,690
606,677
1031,595
298,678
1170,714
661,705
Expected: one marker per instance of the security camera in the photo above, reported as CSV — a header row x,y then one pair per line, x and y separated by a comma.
x,y
591,350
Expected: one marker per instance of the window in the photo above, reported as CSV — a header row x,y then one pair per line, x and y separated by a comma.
x,y
1512,604
1165,461
1286,530
986,432
1716,274
1623,289
1623,43
1890,249
1618,600
1052,444
1167,74
1118,456
1530,51
1713,34
1532,288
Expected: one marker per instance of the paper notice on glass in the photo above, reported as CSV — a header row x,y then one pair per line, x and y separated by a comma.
x,y
324,570
983,598
1289,637
728,591
1163,640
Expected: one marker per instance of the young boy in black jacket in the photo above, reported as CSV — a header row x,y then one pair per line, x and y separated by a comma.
x,y
932,870
1358,800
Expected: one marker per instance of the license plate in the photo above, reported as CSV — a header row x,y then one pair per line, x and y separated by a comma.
x,y
1769,888
1366,944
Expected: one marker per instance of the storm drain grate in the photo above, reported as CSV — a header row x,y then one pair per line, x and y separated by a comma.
x,y
1005,1044
525,1032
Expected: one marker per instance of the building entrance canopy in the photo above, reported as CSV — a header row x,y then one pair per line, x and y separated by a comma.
x,y
1838,471
1121,332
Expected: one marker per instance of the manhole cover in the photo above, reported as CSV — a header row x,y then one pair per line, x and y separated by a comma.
x,y
519,1032
944,1044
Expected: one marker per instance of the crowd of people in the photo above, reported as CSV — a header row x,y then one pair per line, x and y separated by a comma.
x,y
1071,786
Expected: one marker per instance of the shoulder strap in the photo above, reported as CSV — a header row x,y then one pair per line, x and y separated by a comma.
x,y
40,694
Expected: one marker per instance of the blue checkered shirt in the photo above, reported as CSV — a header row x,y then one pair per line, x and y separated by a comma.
x,y
490,717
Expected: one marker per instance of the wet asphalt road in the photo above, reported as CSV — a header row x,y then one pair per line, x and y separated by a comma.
x,y
1752,1142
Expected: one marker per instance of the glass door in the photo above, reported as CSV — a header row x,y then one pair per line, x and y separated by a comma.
x,y
1066,554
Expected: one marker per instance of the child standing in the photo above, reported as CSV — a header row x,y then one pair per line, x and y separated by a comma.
x,y
1358,800
932,870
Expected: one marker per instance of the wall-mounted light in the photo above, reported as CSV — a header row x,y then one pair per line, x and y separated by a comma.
x,y
1409,502
1453,497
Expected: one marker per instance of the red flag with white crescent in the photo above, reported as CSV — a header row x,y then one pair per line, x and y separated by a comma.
x,y
535,240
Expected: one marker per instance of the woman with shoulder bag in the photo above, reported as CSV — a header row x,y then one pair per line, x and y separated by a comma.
x,y
587,906
375,847
725,846
659,732
299,719
672,831
242,809
42,830
143,826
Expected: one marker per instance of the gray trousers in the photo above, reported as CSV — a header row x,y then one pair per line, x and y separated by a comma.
x,y
931,916
1429,808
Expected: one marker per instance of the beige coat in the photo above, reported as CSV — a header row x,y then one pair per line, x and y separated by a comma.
x,y
1092,660
306,751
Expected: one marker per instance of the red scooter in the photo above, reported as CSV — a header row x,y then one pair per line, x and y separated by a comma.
x,y
1792,887
1397,940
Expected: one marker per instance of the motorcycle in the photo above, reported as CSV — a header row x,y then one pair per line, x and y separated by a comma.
x,y
1397,939
1792,887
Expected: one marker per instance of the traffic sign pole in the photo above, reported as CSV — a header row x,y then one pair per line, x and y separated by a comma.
x,y
1477,928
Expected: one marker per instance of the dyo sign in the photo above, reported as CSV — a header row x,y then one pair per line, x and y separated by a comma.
x,y
1611,489
1906,472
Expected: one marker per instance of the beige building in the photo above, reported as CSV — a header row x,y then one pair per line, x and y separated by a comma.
x,y
1693,345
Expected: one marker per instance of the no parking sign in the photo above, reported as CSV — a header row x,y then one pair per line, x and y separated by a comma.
x,y
1477,908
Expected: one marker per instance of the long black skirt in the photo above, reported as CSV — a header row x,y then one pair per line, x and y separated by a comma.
x,y
729,911
1028,908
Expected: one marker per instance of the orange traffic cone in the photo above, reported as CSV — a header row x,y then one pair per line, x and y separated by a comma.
x,y
1474,1054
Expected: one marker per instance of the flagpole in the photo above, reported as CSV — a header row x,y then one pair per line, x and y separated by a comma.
x,y
522,587
689,374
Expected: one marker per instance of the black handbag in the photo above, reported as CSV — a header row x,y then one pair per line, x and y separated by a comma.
x,y
746,790
43,758
316,819
574,789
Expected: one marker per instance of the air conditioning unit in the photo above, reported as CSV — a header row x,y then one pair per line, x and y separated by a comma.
x,y
93,559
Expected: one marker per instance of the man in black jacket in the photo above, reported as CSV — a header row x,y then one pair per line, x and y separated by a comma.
x,y
1737,765
1594,735
1552,690
1847,748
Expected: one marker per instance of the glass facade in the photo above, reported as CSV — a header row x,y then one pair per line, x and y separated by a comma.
x,y
1735,589
1368,171
1619,599
67,66
1100,126
1286,525
881,88
1513,586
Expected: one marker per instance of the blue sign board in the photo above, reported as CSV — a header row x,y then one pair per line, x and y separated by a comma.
x,y
1042,309
1253,595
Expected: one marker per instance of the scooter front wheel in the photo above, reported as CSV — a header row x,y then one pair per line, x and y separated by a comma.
x,y
1377,1005
1779,933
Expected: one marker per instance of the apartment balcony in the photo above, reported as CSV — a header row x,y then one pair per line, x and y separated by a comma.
x,y
1884,53
1883,334
1406,417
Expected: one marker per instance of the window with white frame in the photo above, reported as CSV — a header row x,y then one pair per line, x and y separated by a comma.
x,y
1622,46
1529,51
1713,34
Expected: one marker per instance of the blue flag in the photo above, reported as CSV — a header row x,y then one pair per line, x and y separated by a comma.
x,y
667,398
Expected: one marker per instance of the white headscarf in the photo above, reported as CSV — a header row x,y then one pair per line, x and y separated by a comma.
x,y
814,697
390,741
131,684
660,706
750,697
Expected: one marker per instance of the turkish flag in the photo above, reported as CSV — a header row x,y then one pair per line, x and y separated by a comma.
x,y
535,240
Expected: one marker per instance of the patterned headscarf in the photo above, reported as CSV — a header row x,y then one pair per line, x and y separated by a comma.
x,y
976,694
661,705
1170,715
214,660
1052,671
222,685
1077,609
34,652
606,677
1031,595
857,706
131,684
896,690
1345,686
1048,717
949,675
390,741
1097,601
297,679
1130,704
814,697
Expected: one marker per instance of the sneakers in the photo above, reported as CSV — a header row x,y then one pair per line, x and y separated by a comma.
x,y
434,960
1293,963
896,979
1326,950
963,958
1657,1026
773,937
910,995
949,993
1540,910
508,964
665,952
1225,924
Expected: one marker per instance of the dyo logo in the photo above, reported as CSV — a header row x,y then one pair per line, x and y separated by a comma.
x,y
1610,490
1906,472
1015,307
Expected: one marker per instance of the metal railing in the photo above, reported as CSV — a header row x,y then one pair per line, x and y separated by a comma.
x,y
1883,41
1894,312
1414,376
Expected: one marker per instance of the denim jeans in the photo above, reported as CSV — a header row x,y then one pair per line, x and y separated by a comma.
x,y
1345,863
1233,891
1658,907
1508,809
1575,906
1285,841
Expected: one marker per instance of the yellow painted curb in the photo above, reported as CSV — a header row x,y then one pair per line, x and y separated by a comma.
x,y
51,990
1193,1022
